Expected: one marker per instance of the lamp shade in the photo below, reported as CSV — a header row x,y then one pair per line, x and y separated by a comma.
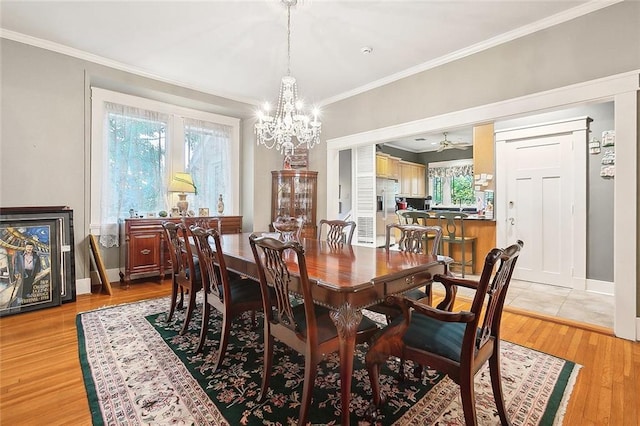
x,y
182,182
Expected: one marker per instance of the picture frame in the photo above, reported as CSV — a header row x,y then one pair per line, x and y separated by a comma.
x,y
30,264
63,214
203,211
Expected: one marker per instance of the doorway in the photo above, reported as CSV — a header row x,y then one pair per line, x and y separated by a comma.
x,y
541,176
623,90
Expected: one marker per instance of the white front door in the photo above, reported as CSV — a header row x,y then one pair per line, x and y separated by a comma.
x,y
541,200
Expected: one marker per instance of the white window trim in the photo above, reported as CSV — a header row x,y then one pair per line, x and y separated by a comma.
x,y
176,151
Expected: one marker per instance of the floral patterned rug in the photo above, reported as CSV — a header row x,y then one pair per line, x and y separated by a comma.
x,y
139,370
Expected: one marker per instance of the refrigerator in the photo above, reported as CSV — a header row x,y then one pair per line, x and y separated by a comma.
x,y
386,191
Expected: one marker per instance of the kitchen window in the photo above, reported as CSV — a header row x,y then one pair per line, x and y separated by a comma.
x,y
137,144
451,183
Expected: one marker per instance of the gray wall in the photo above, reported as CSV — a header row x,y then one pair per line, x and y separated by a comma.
x,y
45,136
580,50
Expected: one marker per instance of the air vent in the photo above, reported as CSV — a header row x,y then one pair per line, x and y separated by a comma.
x,y
420,139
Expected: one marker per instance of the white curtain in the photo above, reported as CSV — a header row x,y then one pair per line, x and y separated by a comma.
x,y
208,156
134,166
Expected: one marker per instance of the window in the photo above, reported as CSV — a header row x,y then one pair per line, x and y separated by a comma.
x,y
451,183
137,144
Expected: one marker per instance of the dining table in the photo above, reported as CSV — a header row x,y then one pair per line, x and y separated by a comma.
x,y
345,279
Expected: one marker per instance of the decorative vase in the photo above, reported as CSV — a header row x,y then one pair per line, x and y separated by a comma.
x,y
220,205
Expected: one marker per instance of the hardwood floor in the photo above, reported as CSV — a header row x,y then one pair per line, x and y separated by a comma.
x,y
41,381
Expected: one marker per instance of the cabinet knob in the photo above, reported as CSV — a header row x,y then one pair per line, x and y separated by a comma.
x,y
145,251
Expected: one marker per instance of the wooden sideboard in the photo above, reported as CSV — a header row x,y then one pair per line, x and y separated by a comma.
x,y
145,253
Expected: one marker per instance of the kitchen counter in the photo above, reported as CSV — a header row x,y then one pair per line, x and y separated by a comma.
x,y
475,226
471,216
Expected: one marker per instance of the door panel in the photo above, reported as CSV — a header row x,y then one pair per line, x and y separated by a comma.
x,y
539,203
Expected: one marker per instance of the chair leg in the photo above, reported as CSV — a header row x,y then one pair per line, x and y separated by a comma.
x,y
190,306
374,377
468,398
174,300
224,339
268,362
463,250
181,303
496,385
310,371
206,312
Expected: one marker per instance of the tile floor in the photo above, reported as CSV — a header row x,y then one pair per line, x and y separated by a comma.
x,y
576,305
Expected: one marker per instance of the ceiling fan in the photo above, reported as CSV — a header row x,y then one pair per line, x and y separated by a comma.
x,y
447,144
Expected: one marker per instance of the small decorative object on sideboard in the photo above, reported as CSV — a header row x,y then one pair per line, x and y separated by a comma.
x,y
203,211
220,205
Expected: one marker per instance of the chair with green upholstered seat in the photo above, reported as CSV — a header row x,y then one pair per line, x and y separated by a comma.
x,y
455,343
307,328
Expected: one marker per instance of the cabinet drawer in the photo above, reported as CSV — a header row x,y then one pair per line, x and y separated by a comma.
x,y
401,285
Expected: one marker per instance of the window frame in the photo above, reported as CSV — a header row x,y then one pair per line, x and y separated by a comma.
x,y
175,144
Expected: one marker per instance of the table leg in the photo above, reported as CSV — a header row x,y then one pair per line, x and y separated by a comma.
x,y
346,319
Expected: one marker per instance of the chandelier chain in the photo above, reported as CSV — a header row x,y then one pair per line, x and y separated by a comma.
x,y
289,39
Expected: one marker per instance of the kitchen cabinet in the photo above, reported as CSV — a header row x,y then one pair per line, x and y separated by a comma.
x,y
294,194
387,166
145,251
412,179
382,165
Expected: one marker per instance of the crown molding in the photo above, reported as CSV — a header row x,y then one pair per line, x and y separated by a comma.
x,y
100,60
542,24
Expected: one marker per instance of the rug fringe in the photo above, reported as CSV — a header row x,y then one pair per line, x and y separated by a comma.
x,y
564,402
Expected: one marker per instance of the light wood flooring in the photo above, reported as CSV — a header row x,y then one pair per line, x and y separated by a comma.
x,y
41,381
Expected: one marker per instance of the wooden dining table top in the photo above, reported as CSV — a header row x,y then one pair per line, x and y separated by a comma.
x,y
343,273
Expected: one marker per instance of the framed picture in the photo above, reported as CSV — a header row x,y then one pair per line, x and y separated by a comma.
x,y
30,263
67,247
203,211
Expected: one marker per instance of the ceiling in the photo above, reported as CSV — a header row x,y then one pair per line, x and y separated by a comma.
x,y
238,49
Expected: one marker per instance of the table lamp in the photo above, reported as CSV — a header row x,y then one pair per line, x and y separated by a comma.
x,y
182,183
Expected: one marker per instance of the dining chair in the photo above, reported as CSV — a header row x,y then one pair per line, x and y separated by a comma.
x,y
415,217
289,227
305,327
230,295
202,222
185,270
452,224
455,343
337,231
412,239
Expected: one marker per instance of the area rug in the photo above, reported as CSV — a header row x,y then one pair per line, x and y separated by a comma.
x,y
138,370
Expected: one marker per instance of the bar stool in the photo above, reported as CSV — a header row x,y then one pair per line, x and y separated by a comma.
x,y
452,224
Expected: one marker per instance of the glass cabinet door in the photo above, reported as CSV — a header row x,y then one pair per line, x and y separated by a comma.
x,y
294,194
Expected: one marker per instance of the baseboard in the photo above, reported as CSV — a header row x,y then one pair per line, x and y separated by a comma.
x,y
637,329
113,275
603,287
83,286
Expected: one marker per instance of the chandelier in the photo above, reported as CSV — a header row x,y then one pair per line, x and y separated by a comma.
x,y
290,127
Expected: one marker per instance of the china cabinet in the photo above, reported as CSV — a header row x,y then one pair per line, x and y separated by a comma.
x,y
294,193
